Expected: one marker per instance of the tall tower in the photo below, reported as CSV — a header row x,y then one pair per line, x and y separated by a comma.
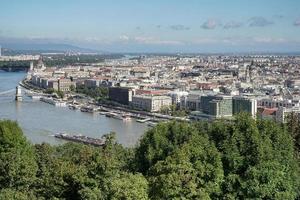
x,y
248,74
18,93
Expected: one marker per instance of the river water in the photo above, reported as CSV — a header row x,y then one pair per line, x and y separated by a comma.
x,y
41,120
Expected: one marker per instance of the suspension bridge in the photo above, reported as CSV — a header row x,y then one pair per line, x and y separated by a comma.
x,y
19,91
7,93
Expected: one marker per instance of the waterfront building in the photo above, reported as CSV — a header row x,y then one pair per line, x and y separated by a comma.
x,y
150,103
191,102
44,83
205,103
53,83
244,104
220,106
177,96
65,84
122,95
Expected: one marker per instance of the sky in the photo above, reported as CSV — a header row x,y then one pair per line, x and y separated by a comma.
x,y
200,26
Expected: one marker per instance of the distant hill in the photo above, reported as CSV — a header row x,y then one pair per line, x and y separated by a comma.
x,y
15,48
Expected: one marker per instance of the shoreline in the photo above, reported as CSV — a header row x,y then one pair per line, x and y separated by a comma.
x,y
155,117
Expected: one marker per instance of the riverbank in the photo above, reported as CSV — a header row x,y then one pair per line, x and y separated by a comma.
x,y
93,107
40,120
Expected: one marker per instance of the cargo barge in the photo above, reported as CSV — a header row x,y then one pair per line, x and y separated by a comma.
x,y
80,139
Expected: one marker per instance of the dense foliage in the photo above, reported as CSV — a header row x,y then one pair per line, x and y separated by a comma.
x,y
240,159
14,65
98,93
64,60
174,110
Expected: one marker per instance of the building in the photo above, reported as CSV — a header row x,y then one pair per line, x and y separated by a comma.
x,y
122,95
53,84
177,96
267,113
191,101
205,100
244,104
292,83
44,83
150,103
91,83
210,106
276,103
220,106
282,114
65,84
140,73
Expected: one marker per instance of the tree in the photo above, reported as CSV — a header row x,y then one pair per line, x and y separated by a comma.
x,y
192,172
238,159
293,127
72,88
161,141
258,159
16,195
49,91
180,162
50,175
60,93
165,110
128,186
17,160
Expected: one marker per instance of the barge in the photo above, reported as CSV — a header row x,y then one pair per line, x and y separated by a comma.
x,y
80,139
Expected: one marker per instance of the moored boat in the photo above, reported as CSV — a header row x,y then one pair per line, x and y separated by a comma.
x,y
80,139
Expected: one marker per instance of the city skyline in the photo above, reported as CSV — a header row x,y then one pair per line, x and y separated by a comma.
x,y
155,26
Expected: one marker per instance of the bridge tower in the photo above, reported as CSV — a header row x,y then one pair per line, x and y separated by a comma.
x,y
19,93
31,66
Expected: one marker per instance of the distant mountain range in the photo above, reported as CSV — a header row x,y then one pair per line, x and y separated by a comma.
x,y
45,47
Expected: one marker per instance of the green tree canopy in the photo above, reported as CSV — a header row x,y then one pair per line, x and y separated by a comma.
x,y
17,159
239,159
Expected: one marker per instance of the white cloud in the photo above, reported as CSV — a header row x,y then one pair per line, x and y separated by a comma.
x,y
124,38
269,40
297,22
259,22
210,24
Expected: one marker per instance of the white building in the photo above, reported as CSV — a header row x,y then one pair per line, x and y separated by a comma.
x,y
177,96
277,103
150,103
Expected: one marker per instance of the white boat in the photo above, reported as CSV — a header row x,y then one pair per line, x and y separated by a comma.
x,y
143,120
54,102
126,118
103,112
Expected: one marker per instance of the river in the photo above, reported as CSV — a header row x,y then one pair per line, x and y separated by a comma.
x,y
40,121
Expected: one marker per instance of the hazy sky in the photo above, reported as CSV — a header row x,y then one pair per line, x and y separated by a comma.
x,y
155,25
